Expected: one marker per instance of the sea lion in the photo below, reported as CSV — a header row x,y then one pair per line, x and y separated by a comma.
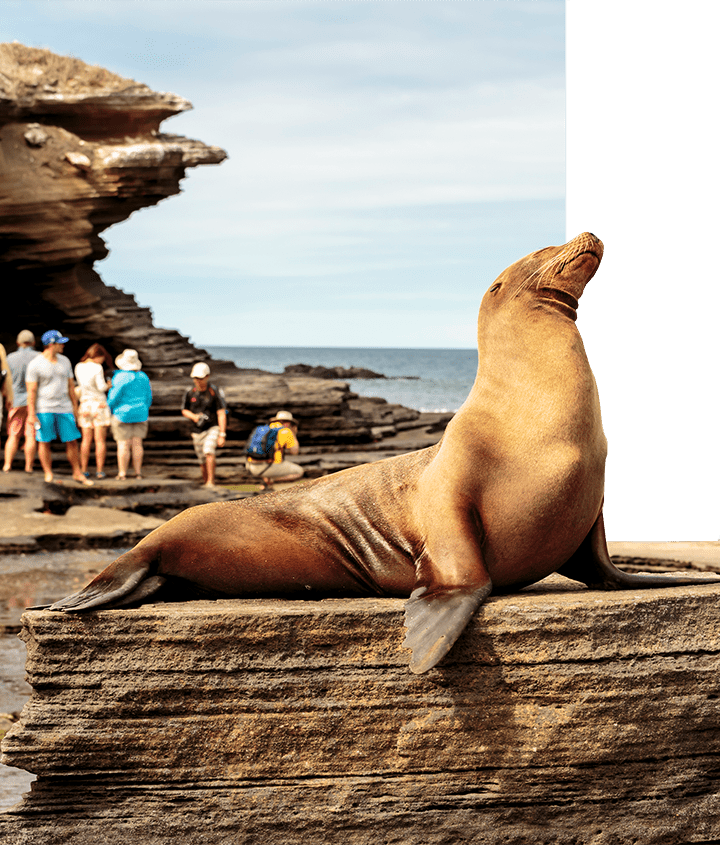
x,y
512,493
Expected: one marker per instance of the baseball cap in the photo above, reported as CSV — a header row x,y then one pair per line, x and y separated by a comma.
x,y
53,336
200,370
25,336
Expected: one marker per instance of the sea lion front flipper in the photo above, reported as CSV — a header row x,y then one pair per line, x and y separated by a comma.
x,y
435,619
591,565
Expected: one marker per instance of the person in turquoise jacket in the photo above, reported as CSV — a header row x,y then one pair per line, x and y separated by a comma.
x,y
129,400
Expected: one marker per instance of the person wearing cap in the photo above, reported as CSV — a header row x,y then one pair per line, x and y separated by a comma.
x,y
17,423
279,469
205,406
52,404
129,400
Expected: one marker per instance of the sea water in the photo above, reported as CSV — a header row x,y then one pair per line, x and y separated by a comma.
x,y
424,379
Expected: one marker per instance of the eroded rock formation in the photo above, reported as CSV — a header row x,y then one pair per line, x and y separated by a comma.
x,y
80,150
563,715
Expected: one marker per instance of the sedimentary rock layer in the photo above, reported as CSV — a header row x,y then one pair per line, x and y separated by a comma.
x,y
563,715
80,150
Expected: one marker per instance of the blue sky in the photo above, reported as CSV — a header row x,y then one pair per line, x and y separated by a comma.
x,y
386,159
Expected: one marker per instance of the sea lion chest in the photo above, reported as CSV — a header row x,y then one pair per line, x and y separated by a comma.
x,y
526,455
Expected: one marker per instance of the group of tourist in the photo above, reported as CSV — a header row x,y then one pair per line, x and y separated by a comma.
x,y
45,402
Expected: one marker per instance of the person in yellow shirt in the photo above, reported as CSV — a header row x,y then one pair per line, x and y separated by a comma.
x,y
279,469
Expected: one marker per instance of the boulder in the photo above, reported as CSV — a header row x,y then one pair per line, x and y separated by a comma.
x,y
563,715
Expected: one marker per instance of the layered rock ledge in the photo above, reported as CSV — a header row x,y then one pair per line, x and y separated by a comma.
x,y
80,150
563,715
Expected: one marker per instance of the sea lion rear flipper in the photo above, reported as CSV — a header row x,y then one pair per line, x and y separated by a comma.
x,y
435,619
591,565
124,580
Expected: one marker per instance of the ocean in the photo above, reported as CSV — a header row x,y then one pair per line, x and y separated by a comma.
x,y
423,379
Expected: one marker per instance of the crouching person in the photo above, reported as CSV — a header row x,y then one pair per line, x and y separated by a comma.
x,y
267,447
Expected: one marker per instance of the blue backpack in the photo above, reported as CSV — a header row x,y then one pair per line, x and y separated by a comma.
x,y
261,443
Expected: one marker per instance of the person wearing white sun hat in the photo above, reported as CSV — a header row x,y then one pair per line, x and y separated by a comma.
x,y
129,400
274,467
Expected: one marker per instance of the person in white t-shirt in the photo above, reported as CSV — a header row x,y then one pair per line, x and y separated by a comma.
x,y
52,404
93,411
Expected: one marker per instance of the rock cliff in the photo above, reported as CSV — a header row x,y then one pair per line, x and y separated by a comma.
x,y
80,150
563,715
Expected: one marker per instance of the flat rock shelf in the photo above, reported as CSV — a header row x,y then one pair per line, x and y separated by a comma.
x,y
563,715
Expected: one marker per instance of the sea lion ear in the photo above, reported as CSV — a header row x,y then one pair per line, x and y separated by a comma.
x,y
435,619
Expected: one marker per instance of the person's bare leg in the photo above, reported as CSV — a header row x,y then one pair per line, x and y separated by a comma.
x,y
45,456
30,447
137,455
11,447
85,445
72,449
209,470
123,458
100,447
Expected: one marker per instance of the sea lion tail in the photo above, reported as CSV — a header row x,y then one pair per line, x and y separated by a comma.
x,y
435,619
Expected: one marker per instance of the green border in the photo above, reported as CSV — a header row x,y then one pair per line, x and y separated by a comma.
x,y
642,169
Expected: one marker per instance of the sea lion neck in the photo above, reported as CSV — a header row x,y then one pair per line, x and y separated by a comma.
x,y
559,301
528,332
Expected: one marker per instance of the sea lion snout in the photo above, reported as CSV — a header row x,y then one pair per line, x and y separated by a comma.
x,y
574,264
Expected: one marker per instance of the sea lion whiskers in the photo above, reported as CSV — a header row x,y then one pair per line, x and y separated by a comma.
x,y
553,266
534,279
549,266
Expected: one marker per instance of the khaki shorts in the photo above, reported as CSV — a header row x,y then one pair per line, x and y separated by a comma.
x,y
126,431
257,468
205,442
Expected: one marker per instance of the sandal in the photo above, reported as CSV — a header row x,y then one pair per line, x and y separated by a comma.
x,y
121,478
100,475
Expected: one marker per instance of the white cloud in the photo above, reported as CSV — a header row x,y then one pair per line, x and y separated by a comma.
x,y
379,146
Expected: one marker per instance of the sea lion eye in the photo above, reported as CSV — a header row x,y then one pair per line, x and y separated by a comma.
x,y
495,287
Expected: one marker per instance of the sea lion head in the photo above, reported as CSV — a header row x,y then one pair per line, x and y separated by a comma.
x,y
554,277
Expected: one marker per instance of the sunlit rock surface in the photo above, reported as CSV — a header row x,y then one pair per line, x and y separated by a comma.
x,y
563,715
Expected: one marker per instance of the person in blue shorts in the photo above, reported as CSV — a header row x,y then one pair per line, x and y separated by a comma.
x,y
52,404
